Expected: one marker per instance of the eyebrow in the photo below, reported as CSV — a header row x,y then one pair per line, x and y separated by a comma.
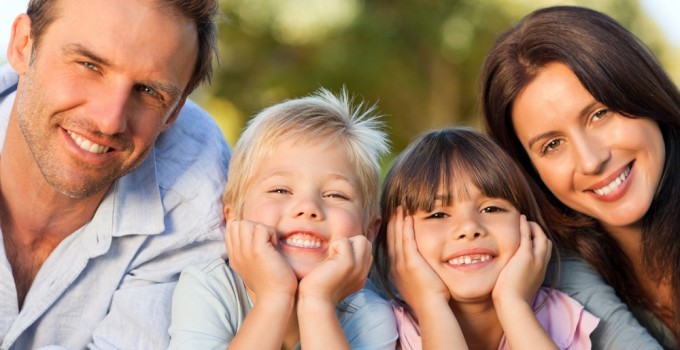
x,y
81,50
548,134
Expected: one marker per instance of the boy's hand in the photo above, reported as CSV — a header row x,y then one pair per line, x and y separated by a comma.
x,y
251,248
342,273
524,273
419,285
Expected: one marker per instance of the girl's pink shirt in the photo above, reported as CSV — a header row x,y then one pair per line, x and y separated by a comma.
x,y
566,321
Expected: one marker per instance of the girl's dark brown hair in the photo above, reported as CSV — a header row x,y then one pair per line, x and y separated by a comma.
x,y
621,73
447,161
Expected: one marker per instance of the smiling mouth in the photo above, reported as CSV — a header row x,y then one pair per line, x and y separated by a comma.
x,y
87,145
303,241
609,188
469,259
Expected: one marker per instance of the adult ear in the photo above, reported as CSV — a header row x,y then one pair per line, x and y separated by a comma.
x,y
173,116
20,44
373,229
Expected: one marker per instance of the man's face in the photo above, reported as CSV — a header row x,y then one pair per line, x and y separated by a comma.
x,y
105,79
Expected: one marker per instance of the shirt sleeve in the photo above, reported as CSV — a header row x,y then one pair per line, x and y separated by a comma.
x,y
368,322
618,328
208,307
139,313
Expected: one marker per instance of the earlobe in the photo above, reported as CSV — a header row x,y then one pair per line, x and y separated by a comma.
x,y
20,44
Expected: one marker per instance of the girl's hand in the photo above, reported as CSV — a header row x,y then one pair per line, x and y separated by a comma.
x,y
417,283
524,273
342,273
251,248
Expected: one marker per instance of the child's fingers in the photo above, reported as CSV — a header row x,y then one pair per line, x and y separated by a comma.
x,y
361,249
525,235
262,237
542,245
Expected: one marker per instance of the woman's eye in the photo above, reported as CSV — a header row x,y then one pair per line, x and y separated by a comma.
x,y
280,191
551,146
599,114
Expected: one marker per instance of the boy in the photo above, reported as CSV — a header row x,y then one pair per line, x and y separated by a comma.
x,y
301,198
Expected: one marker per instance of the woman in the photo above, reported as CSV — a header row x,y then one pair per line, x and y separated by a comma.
x,y
594,120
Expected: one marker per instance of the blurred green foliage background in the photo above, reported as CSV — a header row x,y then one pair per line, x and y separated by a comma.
x,y
418,60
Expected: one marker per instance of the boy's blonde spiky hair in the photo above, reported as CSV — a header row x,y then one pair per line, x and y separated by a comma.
x,y
320,118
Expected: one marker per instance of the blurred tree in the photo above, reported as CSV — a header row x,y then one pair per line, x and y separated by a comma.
x,y
418,59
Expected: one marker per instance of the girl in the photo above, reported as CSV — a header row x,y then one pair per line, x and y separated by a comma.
x,y
594,120
464,259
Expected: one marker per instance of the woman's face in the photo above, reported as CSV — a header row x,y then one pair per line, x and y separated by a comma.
x,y
595,161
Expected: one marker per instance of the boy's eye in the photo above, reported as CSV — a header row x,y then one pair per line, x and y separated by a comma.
x,y
437,215
336,195
280,191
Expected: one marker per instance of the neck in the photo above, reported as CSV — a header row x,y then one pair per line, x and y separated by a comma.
x,y
34,217
479,324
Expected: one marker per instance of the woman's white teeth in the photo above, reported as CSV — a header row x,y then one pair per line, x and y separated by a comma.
x,y
470,259
614,184
86,144
303,243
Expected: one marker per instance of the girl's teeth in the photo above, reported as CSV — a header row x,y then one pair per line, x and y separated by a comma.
x,y
469,259
614,184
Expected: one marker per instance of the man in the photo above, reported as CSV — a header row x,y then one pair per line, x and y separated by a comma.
x,y
103,201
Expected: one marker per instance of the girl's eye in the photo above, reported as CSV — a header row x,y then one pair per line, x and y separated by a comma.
x,y
551,146
437,215
492,209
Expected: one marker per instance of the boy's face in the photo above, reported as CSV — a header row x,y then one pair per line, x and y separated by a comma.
x,y
309,194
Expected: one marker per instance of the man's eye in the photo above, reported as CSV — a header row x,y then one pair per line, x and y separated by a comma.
x,y
90,66
147,90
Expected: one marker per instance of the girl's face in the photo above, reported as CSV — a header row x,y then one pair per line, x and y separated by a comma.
x,y
469,242
593,160
309,194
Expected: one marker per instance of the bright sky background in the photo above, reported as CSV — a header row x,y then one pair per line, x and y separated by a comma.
x,y
664,12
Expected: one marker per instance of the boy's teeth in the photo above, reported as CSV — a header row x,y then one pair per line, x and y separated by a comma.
x,y
307,242
614,184
86,144
469,259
